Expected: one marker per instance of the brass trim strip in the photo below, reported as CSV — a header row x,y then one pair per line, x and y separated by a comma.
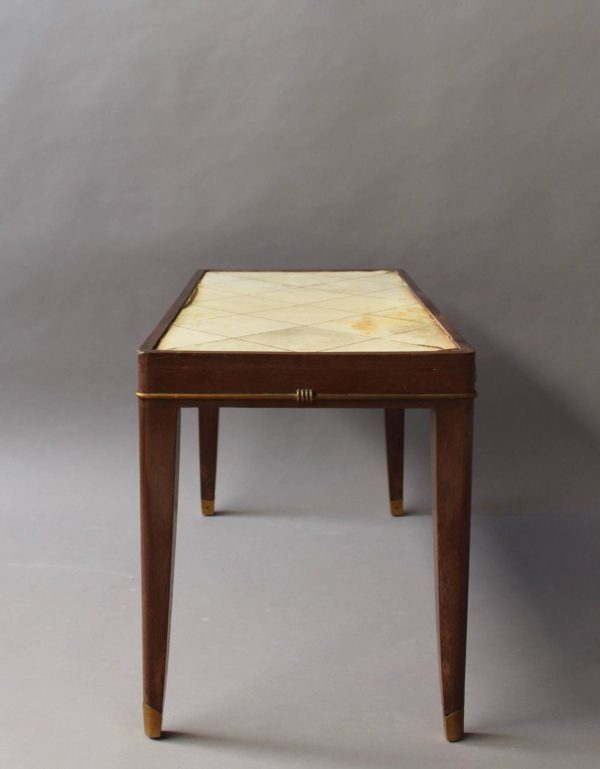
x,y
392,396
304,396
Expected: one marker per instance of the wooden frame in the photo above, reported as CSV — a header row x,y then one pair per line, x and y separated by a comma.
x,y
442,381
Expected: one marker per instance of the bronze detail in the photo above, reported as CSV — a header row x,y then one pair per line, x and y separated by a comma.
x,y
208,507
454,725
152,722
305,396
396,507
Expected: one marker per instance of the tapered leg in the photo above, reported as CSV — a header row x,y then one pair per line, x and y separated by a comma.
x,y
394,438
208,421
453,434
159,449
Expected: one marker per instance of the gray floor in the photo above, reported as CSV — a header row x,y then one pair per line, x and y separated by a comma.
x,y
303,622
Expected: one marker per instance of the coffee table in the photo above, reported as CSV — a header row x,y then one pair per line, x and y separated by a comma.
x,y
305,339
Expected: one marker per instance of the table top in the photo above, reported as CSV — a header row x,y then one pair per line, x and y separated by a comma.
x,y
304,312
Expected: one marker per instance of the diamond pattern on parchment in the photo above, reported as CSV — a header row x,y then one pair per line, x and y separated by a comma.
x,y
362,310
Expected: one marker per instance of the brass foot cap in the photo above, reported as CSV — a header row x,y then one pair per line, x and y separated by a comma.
x,y
208,507
454,725
396,507
152,722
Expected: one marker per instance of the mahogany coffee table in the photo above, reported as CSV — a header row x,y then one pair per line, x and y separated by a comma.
x,y
318,339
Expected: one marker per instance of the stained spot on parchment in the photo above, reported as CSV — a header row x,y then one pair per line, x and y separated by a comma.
x,y
367,324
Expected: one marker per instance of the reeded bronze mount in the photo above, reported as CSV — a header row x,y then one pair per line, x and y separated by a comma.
x,y
305,395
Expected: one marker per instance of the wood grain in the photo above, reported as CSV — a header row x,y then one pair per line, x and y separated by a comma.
x,y
208,425
394,440
452,447
159,449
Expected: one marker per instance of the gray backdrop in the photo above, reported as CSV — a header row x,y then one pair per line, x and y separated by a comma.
x,y
458,139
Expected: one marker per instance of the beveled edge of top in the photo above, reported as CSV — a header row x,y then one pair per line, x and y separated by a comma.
x,y
149,345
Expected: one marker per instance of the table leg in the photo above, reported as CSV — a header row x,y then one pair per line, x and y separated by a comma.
x,y
159,449
453,431
394,439
208,423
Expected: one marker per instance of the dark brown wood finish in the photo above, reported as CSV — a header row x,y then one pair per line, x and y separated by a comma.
x,y
159,449
452,446
443,381
208,424
359,373
394,439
